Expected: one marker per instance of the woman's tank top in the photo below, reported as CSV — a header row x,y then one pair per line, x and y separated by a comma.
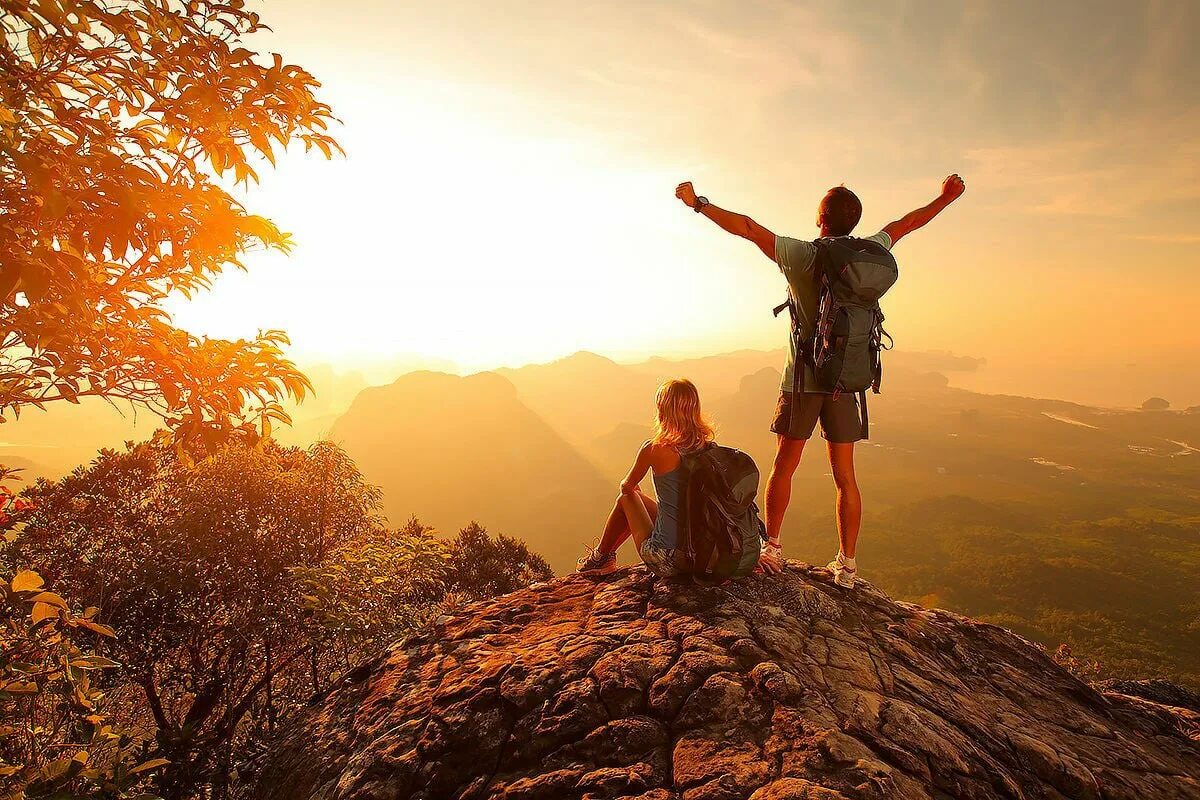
x,y
670,488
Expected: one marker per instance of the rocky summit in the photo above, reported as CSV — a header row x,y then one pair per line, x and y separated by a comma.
x,y
770,688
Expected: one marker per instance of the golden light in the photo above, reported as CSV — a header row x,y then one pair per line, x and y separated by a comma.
x,y
456,235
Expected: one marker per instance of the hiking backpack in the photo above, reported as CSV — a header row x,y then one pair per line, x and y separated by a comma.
x,y
722,531
844,350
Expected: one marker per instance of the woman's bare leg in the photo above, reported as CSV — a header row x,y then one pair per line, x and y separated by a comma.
x,y
616,529
636,506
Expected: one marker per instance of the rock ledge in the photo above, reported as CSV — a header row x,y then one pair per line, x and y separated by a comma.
x,y
770,689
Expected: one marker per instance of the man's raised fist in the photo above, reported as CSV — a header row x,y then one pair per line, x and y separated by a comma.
x,y
953,187
686,193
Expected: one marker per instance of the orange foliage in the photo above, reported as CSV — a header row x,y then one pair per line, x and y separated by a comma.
x,y
117,120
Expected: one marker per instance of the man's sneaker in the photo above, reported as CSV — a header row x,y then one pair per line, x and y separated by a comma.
x,y
843,574
596,563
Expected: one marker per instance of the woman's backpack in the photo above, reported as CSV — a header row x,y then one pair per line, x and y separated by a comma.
x,y
844,351
722,533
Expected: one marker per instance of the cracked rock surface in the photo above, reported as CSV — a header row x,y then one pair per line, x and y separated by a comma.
x,y
769,688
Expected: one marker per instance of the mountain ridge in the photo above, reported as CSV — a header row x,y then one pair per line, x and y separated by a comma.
x,y
452,450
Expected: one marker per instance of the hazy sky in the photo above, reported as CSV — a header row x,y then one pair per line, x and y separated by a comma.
x,y
508,194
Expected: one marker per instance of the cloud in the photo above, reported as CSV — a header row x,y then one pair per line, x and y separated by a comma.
x,y
1122,169
1168,238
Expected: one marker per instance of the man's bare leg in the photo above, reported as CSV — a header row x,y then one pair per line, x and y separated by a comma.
x,y
779,484
849,500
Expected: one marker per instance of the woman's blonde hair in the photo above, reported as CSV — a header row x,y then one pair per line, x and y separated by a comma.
x,y
679,423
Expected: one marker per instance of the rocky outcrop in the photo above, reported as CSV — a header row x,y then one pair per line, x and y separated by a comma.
x,y
1157,690
770,688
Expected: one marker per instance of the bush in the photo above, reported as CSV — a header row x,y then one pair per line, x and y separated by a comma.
x,y
481,566
193,563
56,738
239,584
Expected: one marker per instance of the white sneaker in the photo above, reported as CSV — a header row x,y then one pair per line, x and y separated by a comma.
x,y
844,575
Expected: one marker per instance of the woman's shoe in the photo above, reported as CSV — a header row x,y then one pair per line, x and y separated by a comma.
x,y
596,563
771,551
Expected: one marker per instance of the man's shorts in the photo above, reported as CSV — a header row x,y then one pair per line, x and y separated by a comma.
x,y
840,421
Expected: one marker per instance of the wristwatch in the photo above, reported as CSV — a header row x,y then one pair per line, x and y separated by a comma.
x,y
701,202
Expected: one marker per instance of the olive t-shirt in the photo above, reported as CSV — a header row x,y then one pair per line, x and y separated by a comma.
x,y
795,258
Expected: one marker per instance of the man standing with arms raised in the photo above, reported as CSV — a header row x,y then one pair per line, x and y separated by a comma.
x,y
839,413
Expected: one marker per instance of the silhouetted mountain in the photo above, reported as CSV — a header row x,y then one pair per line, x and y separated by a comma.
x,y
66,435
713,375
29,470
450,450
583,395
614,451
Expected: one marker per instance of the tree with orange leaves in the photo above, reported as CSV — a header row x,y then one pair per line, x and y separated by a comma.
x,y
118,121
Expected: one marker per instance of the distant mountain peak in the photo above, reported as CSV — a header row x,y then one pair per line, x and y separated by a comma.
x,y
587,356
434,379
419,375
770,688
756,380
580,359
426,389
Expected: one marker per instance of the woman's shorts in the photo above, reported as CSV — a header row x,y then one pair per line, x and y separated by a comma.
x,y
663,561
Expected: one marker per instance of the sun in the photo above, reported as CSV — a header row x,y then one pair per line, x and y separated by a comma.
x,y
458,236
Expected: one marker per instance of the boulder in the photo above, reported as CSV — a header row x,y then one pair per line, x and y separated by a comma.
x,y
769,688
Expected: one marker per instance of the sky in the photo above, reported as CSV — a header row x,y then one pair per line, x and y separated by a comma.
x,y
507,196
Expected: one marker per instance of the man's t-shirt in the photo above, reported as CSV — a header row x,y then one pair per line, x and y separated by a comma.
x,y
795,258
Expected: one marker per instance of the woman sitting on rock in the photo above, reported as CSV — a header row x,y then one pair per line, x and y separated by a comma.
x,y
679,430
654,525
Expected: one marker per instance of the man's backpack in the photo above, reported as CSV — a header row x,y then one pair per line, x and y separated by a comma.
x,y
844,350
722,532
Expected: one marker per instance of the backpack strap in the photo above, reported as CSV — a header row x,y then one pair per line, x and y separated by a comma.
x,y
800,360
824,274
697,560
862,408
823,266
878,334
